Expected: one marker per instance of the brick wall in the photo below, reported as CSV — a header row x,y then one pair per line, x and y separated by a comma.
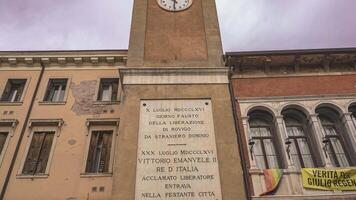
x,y
294,86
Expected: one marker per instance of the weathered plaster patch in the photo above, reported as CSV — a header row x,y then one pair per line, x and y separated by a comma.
x,y
84,95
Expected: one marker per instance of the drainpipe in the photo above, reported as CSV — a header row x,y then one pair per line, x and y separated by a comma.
x,y
239,141
23,130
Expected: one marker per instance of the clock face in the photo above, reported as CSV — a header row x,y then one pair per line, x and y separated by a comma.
x,y
175,5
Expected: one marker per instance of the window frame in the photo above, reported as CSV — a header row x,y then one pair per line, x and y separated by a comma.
x,y
24,92
100,125
39,128
45,88
294,140
98,89
331,146
6,144
90,141
9,126
262,138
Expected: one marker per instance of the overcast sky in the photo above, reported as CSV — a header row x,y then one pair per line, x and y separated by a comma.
x,y
245,24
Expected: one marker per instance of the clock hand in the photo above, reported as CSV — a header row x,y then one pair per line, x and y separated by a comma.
x,y
174,4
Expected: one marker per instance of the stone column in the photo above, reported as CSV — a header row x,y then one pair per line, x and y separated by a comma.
x,y
282,133
350,129
247,134
319,135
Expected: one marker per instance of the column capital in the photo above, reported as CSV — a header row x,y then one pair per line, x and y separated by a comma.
x,y
345,117
347,114
313,117
279,119
245,119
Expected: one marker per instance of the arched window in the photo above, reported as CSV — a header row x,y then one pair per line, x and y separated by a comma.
x,y
352,110
335,145
263,137
300,151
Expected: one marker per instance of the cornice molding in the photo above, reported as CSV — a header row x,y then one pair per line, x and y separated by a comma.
x,y
295,98
170,75
289,63
63,57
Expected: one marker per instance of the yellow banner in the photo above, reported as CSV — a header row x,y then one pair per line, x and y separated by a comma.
x,y
329,179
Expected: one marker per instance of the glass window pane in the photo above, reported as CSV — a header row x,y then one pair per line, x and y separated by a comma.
x,y
303,146
308,161
106,93
61,95
330,130
257,149
332,158
298,131
273,162
260,162
290,131
55,93
265,132
296,161
337,145
269,147
56,90
342,160
293,148
254,132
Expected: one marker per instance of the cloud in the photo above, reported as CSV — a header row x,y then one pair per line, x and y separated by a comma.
x,y
279,24
245,24
68,25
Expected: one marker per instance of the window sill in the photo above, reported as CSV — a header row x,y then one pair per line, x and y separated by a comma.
x,y
52,103
95,175
285,171
106,102
36,176
7,103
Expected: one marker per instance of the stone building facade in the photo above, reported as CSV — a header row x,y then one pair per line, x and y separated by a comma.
x,y
173,117
300,104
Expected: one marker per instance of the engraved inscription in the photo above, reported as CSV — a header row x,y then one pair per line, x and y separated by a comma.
x,y
176,157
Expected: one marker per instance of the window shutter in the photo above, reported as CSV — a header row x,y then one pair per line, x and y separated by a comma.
x,y
105,155
115,88
3,137
44,153
33,153
7,91
92,152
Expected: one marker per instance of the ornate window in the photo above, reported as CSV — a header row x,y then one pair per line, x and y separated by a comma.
x,y
300,151
352,109
335,147
263,137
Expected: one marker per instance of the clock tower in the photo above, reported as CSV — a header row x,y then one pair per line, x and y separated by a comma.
x,y
164,36
177,138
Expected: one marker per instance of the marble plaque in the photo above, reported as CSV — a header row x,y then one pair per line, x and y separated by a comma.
x,y
176,156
